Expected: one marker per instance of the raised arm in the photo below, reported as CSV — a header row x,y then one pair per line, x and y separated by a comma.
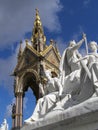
x,y
77,46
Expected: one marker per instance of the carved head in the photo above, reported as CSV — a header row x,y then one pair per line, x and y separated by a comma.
x,y
72,43
53,72
93,46
48,73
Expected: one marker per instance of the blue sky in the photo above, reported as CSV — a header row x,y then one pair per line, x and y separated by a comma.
x,y
63,20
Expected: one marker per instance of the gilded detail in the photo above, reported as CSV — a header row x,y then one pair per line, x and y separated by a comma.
x,y
27,72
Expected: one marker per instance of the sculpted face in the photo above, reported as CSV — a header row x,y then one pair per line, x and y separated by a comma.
x,y
72,43
48,73
93,46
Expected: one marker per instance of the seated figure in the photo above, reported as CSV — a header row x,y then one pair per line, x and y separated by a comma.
x,y
52,91
78,79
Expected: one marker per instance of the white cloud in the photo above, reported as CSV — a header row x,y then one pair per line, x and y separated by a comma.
x,y
7,68
17,17
86,2
61,44
78,33
8,112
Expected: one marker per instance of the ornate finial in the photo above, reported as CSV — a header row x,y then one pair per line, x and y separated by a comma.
x,y
37,15
37,11
51,41
37,19
38,37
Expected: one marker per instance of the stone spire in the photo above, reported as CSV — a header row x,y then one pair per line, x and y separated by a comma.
x,y
38,38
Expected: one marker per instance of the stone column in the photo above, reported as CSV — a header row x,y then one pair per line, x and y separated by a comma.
x,y
19,109
13,122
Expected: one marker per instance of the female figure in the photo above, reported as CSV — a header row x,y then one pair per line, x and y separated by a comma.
x,y
51,92
90,83
70,69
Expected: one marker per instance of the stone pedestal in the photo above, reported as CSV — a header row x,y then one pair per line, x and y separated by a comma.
x,y
83,116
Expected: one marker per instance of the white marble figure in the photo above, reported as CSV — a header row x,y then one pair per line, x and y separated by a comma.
x,y
70,72
89,85
4,125
81,84
70,69
53,88
52,91
77,82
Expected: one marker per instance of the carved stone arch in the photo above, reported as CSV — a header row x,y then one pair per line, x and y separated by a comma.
x,y
30,78
32,71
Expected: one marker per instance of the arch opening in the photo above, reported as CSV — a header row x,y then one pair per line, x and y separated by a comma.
x,y
29,103
30,81
31,93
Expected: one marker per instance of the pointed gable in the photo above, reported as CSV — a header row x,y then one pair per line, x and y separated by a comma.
x,y
51,55
29,56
